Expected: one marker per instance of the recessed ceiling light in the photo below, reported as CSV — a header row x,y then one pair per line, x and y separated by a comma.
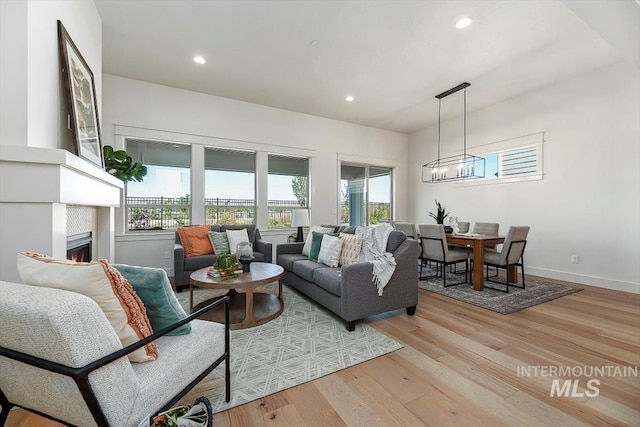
x,y
463,23
199,60
349,98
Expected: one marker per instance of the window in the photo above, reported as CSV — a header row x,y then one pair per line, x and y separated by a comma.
x,y
365,194
230,186
512,163
511,160
161,201
288,188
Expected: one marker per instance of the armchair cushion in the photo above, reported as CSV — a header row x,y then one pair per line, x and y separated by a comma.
x,y
102,283
154,289
67,328
195,240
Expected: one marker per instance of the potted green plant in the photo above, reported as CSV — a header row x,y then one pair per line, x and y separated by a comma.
x,y
119,164
440,215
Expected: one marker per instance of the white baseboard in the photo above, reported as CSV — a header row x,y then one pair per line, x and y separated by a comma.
x,y
601,282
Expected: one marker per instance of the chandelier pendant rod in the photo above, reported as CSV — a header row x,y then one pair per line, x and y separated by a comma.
x,y
439,107
464,125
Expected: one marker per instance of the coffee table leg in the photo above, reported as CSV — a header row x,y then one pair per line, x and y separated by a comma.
x,y
280,297
191,297
249,305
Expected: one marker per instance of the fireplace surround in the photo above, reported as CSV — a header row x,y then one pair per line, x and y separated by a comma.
x,y
34,209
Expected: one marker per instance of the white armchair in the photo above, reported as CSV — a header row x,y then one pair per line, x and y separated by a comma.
x,y
61,358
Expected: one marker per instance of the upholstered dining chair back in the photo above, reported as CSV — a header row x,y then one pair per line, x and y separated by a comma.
x,y
435,249
514,245
463,227
486,228
434,242
408,228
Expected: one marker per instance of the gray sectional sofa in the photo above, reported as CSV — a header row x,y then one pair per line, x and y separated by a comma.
x,y
349,291
183,267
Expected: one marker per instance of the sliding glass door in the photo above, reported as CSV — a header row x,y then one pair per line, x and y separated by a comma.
x,y
365,194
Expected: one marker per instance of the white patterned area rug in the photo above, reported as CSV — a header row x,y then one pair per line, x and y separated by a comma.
x,y
304,343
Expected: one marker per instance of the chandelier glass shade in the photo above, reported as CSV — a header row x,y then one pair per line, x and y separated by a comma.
x,y
457,167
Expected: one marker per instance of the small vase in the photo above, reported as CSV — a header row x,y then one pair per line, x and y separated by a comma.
x,y
448,229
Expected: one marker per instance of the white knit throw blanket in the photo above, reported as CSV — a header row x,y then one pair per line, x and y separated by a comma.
x,y
374,246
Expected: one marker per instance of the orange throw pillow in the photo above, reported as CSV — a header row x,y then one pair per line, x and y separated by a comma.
x,y
195,240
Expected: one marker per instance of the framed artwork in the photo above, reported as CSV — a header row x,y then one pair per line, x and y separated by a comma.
x,y
81,94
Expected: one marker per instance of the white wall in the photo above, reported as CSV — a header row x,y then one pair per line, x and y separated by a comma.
x,y
34,133
147,108
34,102
588,203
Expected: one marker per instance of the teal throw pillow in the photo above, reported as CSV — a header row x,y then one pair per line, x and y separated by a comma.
x,y
154,289
316,243
220,242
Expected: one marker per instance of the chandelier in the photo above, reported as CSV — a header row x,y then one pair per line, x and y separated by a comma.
x,y
461,166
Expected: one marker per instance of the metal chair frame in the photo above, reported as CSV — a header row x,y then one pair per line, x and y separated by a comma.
x,y
506,268
440,265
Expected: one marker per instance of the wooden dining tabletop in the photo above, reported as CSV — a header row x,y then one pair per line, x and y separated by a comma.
x,y
477,242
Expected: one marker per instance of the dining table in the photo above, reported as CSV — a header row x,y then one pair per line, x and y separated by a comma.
x,y
477,243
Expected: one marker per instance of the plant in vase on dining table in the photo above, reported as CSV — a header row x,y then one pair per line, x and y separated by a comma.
x,y
440,216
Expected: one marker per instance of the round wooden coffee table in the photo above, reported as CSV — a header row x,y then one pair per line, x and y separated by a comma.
x,y
248,308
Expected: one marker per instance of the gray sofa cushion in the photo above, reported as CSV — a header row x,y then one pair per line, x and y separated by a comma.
x,y
395,240
287,260
197,262
305,269
328,279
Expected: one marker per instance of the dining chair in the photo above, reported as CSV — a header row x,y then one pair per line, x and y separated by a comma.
x,y
435,249
488,229
463,227
511,255
408,228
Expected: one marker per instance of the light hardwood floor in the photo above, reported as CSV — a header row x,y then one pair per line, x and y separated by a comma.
x,y
460,367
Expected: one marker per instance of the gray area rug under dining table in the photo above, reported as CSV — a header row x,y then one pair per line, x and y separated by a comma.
x,y
537,291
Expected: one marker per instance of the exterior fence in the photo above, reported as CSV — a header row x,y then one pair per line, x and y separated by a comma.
x,y
167,213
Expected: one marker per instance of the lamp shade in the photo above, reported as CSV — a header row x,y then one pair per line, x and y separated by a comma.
x,y
300,218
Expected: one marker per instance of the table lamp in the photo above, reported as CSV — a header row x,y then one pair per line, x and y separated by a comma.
x,y
300,219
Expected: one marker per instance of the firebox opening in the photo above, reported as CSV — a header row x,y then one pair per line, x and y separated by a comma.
x,y
79,247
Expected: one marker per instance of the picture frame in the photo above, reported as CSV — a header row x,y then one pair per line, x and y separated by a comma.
x,y
82,101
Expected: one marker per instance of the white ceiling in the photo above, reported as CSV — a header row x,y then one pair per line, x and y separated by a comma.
x,y
392,56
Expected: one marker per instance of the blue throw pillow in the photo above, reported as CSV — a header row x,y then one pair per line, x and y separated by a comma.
x,y
154,289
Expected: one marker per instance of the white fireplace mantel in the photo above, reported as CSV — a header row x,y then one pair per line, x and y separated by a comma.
x,y
36,185
33,174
